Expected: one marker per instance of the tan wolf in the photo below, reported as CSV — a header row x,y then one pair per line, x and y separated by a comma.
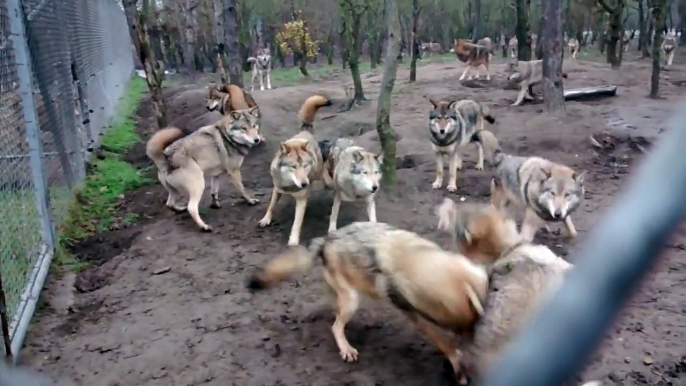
x,y
547,191
439,291
521,276
228,98
474,55
453,125
296,166
431,48
526,74
356,175
183,160
512,45
261,68
669,45
573,47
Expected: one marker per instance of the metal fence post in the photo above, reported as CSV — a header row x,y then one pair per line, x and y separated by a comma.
x,y
33,136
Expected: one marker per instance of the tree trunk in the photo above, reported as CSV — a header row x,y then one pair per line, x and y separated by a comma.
x,y
230,18
154,70
641,27
189,49
552,46
354,53
682,20
130,13
218,32
476,32
387,135
659,16
615,32
416,10
523,30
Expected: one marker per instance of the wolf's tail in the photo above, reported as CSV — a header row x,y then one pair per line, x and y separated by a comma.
x,y
160,140
309,110
491,146
295,260
251,60
487,114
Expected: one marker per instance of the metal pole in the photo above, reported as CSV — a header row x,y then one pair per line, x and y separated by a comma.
x,y
33,135
617,254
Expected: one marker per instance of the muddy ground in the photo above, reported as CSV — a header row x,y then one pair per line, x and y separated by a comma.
x,y
165,305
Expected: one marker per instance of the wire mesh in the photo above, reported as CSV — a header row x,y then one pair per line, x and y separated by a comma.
x,y
80,64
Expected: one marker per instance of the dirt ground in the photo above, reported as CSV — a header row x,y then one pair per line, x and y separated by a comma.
x,y
165,304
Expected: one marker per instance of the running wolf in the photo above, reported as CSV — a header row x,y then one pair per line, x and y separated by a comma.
x,y
474,55
453,125
573,47
439,291
356,176
669,45
521,276
261,69
183,160
297,165
549,192
228,98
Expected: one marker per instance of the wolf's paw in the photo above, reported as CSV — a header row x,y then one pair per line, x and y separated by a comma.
x,y
349,354
252,201
479,166
265,222
205,228
437,184
452,188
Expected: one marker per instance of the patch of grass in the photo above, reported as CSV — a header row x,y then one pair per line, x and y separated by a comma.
x,y
93,210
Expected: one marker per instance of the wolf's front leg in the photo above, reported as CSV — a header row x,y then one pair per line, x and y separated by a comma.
x,y
520,97
480,162
269,80
333,219
531,224
465,72
238,182
300,206
571,229
214,191
455,164
261,81
267,219
439,172
371,208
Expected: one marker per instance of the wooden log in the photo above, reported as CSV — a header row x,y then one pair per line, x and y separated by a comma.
x,y
590,92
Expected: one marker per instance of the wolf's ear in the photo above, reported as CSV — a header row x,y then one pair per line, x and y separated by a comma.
x,y
357,156
451,104
379,158
304,145
546,173
579,177
255,112
236,115
433,102
283,148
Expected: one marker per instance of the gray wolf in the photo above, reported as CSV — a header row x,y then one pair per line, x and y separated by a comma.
x,y
669,45
513,46
573,47
474,55
431,48
440,292
261,68
488,43
521,276
453,125
547,191
526,74
356,176
228,98
297,164
183,160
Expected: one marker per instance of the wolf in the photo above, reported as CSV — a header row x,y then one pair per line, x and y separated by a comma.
x,y
439,291
431,48
453,125
669,45
488,43
573,47
521,276
183,160
527,74
512,45
356,176
261,68
547,191
297,164
228,98
474,55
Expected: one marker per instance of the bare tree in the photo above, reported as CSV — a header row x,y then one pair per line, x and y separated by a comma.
x,y
659,15
615,30
523,29
552,42
416,10
352,12
230,18
386,133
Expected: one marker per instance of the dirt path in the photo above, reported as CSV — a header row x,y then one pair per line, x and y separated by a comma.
x,y
195,324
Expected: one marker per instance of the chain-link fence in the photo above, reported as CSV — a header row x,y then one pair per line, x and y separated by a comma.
x,y
63,66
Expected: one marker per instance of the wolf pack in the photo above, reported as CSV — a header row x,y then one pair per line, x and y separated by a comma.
x,y
469,298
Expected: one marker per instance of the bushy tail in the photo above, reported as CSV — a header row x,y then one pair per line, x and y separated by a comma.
x,y
251,60
491,146
309,110
160,140
486,112
295,260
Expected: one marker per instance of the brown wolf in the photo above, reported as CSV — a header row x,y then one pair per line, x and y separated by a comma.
x,y
356,176
439,291
228,98
183,160
453,125
547,191
474,55
521,275
297,165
